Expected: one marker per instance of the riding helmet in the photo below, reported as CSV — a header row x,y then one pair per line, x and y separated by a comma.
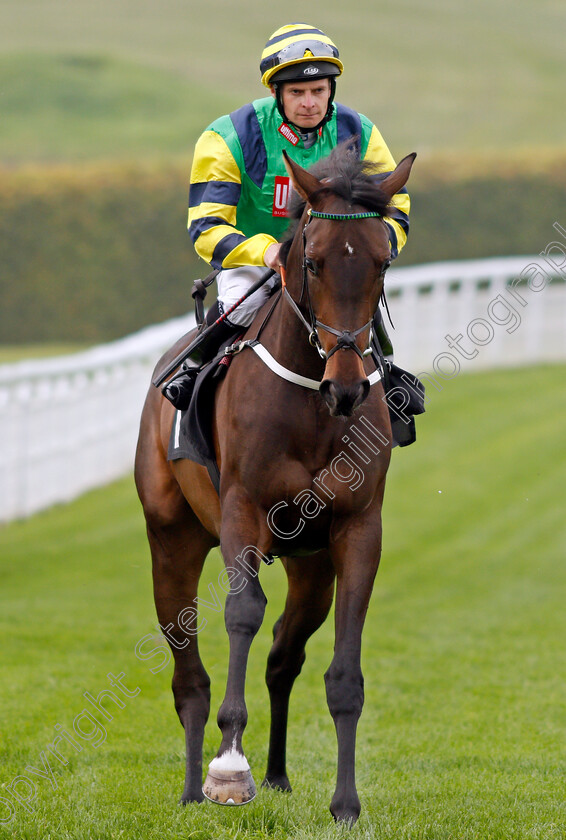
x,y
299,52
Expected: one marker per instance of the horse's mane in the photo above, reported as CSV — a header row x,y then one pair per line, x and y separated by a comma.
x,y
347,177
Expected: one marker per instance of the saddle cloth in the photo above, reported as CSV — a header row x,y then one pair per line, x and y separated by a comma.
x,y
191,432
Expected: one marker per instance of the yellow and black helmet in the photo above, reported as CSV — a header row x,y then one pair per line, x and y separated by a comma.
x,y
299,52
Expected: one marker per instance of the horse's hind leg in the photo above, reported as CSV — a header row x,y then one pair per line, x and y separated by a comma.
x,y
311,589
176,570
179,545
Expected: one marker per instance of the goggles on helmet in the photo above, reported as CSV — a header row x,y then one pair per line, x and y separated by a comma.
x,y
298,52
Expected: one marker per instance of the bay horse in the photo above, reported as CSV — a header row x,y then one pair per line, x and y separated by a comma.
x,y
290,486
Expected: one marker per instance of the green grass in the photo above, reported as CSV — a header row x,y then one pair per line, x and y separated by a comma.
x,y
463,729
19,352
118,77
74,107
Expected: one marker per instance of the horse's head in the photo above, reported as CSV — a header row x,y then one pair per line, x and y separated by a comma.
x,y
336,265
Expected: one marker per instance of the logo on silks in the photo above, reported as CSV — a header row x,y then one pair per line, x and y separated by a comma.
x,y
288,133
281,195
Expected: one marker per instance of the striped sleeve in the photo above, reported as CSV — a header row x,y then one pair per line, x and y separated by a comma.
x,y
398,222
213,199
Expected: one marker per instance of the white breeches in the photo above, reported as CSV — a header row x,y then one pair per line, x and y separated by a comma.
x,y
233,283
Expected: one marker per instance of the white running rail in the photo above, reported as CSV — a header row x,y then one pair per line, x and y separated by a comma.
x,y
69,424
509,311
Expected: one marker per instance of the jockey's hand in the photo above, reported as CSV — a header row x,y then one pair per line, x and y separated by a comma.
x,y
271,256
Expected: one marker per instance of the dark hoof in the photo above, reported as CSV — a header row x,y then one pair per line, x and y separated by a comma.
x,y
345,814
277,783
188,798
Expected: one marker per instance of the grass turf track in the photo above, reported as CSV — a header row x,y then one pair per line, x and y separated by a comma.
x,y
464,724
10,353
122,79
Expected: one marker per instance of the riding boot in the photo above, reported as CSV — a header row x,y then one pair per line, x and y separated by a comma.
x,y
382,336
179,389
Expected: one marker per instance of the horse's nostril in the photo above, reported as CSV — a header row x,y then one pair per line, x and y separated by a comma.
x,y
342,400
325,387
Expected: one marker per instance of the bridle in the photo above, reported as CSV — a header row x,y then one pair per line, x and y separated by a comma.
x,y
346,338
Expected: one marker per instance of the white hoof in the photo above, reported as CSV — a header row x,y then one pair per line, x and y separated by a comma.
x,y
229,780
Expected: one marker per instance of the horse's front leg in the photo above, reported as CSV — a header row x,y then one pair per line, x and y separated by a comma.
x,y
356,558
229,780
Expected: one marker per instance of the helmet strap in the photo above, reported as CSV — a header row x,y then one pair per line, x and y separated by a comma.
x,y
279,102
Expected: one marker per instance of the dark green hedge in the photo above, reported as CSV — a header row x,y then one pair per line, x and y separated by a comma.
x,y
490,216
91,254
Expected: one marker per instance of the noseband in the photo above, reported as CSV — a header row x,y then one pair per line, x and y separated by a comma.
x,y
346,338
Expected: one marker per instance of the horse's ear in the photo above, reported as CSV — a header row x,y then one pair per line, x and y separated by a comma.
x,y
305,183
398,178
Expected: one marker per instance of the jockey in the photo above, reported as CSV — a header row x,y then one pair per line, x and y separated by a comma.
x,y
239,186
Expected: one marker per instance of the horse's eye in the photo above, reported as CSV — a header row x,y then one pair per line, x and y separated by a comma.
x,y
385,266
311,266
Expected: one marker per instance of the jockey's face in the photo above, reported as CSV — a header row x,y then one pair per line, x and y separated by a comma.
x,y
305,103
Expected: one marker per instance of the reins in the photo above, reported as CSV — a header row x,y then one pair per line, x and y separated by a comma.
x,y
346,338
